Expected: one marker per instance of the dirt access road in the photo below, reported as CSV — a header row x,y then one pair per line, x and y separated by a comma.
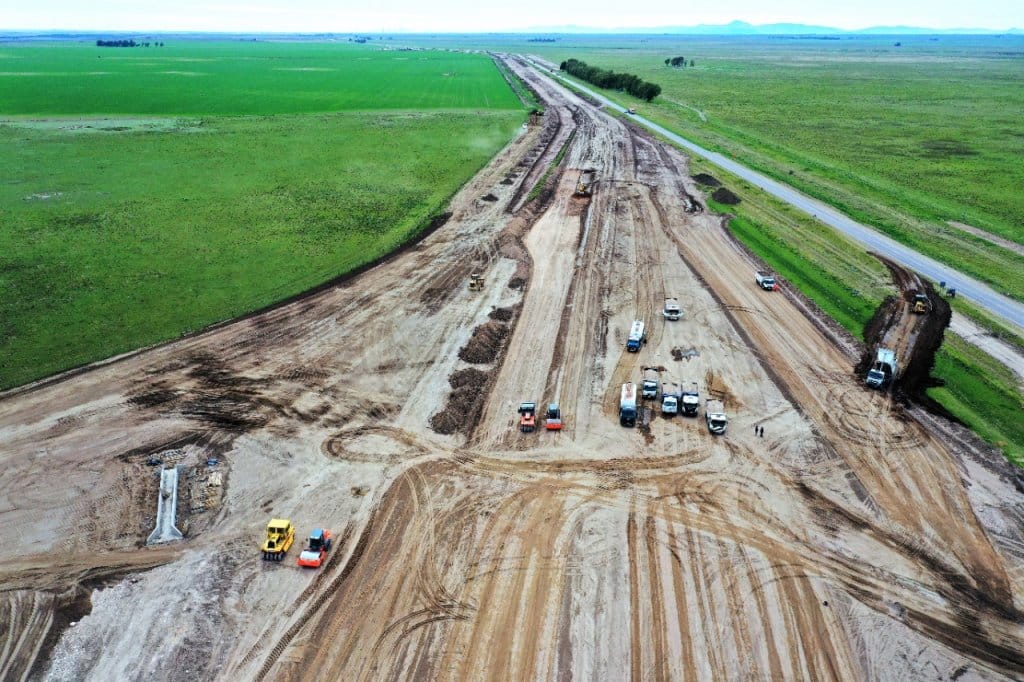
x,y
856,539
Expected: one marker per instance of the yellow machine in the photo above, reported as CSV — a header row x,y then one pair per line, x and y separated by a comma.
x,y
280,536
920,304
476,282
585,187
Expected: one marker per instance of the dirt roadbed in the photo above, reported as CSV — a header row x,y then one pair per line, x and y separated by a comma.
x,y
856,538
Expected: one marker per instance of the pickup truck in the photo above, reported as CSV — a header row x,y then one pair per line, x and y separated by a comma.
x,y
766,281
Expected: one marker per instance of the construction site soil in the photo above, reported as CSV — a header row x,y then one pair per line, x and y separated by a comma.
x,y
833,532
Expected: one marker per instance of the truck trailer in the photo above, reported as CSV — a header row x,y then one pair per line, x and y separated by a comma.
x,y
627,405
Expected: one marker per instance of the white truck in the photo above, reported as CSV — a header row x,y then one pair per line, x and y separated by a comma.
x,y
627,405
649,387
883,370
714,412
690,402
670,395
672,310
766,281
637,336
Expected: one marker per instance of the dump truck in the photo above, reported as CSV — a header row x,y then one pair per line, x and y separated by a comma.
x,y
585,187
714,412
766,281
883,369
627,405
553,421
670,395
649,387
476,282
637,336
672,310
527,417
317,547
280,536
921,304
689,403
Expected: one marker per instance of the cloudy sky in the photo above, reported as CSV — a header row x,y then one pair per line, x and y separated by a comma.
x,y
474,15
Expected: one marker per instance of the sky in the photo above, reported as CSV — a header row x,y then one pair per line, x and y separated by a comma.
x,y
429,16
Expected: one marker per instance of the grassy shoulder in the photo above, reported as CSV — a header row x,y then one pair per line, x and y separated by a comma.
x,y
116,239
902,139
848,284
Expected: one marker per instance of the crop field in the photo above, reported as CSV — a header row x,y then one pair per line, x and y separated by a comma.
x,y
121,231
237,78
917,140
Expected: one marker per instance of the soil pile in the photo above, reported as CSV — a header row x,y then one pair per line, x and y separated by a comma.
x,y
462,411
707,180
486,343
724,195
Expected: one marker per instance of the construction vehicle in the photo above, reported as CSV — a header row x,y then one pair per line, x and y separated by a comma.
x,y
649,387
672,310
627,405
527,417
689,403
714,412
637,336
766,281
280,536
553,421
585,187
670,395
631,110
317,547
883,370
921,304
476,282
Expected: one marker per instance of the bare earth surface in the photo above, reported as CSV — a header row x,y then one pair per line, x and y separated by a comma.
x,y
856,539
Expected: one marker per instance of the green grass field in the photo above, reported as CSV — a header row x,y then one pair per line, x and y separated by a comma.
x,y
903,138
242,78
121,232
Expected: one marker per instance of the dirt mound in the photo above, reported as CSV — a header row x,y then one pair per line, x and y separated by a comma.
x,y
708,180
489,197
486,343
501,314
724,196
465,403
516,283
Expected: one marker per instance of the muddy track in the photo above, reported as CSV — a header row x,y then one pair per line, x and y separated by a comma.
x,y
857,539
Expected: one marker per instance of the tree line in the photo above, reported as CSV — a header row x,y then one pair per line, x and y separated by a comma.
x,y
678,62
603,78
124,43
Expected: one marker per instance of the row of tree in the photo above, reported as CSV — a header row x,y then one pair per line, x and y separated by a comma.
x,y
678,62
124,43
603,78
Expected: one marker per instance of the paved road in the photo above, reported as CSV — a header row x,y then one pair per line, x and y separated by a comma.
x,y
1007,309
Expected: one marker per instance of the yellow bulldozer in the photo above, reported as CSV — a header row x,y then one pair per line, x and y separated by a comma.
x,y
920,304
280,536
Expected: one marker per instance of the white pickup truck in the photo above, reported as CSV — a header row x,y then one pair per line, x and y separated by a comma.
x,y
714,412
766,281
672,310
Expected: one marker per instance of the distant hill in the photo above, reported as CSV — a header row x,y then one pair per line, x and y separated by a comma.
x,y
736,28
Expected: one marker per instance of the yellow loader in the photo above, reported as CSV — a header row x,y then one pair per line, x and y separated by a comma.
x,y
280,536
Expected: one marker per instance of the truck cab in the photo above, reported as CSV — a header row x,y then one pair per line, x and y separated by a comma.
x,y
672,311
690,402
637,336
714,413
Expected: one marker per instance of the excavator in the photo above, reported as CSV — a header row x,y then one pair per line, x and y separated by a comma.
x,y
280,536
920,304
